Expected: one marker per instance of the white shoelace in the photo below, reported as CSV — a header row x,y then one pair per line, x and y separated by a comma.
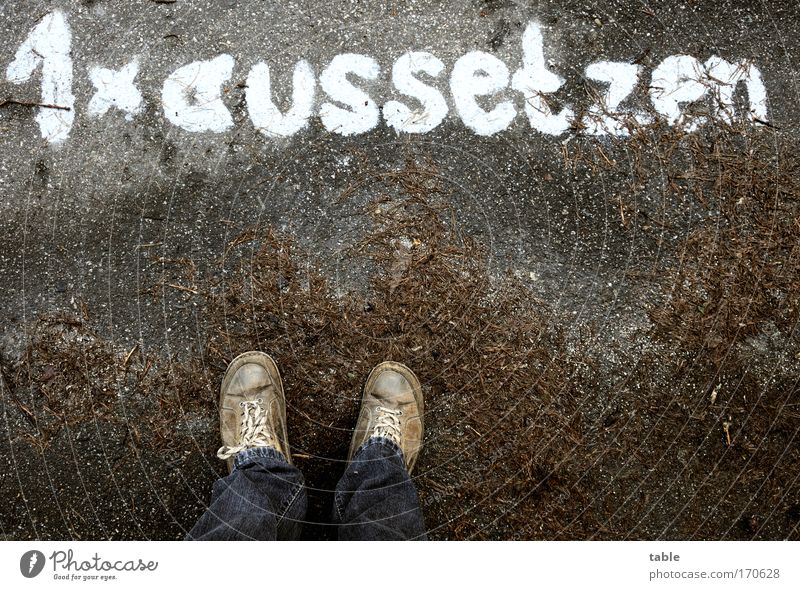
x,y
388,424
254,430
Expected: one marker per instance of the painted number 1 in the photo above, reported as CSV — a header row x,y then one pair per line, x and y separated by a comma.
x,y
48,46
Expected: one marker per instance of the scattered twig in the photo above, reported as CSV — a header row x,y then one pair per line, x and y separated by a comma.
x,y
26,103
182,288
765,123
129,355
473,430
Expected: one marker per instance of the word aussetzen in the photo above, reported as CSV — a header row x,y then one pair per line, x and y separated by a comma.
x,y
192,95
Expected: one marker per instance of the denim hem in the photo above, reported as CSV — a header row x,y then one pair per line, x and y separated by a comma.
x,y
289,502
250,455
379,440
371,441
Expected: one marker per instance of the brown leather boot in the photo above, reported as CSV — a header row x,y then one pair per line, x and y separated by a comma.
x,y
252,408
391,407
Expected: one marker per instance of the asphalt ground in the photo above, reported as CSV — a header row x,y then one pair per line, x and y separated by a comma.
x,y
93,222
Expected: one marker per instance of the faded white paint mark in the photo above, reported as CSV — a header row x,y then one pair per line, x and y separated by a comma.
x,y
606,118
481,74
265,115
362,114
534,80
115,88
433,105
49,45
679,79
725,77
192,95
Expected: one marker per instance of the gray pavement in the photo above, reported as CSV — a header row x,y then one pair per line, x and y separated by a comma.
x,y
160,158
76,213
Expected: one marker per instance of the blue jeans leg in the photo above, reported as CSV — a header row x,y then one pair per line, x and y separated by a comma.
x,y
376,499
263,499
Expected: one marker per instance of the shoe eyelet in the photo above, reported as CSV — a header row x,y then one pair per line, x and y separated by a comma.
x,y
241,404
